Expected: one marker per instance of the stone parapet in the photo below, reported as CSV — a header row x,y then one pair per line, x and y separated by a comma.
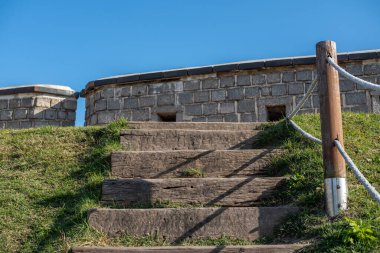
x,y
37,105
248,91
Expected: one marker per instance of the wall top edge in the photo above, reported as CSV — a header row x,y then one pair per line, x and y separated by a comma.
x,y
39,88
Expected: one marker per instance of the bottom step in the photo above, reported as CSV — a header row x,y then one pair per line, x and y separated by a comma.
x,y
283,248
178,224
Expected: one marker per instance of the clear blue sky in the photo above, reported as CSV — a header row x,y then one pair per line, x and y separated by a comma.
x,y
71,42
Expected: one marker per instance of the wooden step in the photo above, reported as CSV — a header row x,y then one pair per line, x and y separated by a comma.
x,y
163,139
180,163
283,248
194,125
201,191
177,224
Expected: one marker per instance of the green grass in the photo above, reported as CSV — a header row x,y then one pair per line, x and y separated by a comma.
x,y
49,177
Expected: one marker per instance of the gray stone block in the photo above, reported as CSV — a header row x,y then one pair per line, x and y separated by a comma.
x,y
172,87
105,117
201,96
139,90
243,80
199,119
131,103
210,83
218,95
288,77
360,108
304,75
6,114
117,92
155,88
185,98
315,100
357,98
61,115
140,115
231,118
20,113
227,107
235,93
191,85
100,105
279,90
126,91
4,104
36,113
25,124
50,114
215,118
355,69
274,77
71,115
227,81
43,102
107,93
114,104
251,92
296,88
193,110
97,95
166,99
69,104
307,103
94,119
54,103
148,101
68,123
247,117
258,79
371,79
372,69
246,106
41,123
265,91
209,109
13,124
346,85
16,103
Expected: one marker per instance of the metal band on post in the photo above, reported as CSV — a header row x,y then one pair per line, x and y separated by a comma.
x,y
331,128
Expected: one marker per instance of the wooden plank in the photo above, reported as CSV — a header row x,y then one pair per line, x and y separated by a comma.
x,y
175,164
153,139
283,248
204,191
177,224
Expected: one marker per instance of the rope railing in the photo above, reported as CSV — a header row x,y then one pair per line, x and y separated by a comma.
x,y
361,178
352,78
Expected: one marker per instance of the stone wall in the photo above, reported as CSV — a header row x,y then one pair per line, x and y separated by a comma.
x,y
37,105
236,92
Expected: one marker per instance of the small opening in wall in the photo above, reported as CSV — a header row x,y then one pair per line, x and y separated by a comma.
x,y
167,116
276,112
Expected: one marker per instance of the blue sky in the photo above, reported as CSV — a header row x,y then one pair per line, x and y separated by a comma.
x,y
71,42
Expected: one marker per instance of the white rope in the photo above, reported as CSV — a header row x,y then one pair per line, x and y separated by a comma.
x,y
303,100
357,173
352,78
305,134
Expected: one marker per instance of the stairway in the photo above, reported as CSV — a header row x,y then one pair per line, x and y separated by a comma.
x,y
209,169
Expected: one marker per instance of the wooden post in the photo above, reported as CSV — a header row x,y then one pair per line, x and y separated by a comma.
x,y
331,128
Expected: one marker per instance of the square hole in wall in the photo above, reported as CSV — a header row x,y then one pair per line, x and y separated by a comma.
x,y
167,116
276,112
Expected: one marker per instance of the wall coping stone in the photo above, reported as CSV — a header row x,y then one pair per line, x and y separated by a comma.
x,y
233,66
39,88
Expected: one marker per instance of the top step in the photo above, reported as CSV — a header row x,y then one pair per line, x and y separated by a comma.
x,y
195,125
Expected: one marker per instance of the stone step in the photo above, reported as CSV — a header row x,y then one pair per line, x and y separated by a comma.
x,y
201,191
194,125
172,139
283,248
175,225
182,163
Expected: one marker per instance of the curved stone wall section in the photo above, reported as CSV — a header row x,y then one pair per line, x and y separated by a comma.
x,y
237,92
36,106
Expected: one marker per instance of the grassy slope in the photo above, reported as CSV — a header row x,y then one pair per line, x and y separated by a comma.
x,y
51,176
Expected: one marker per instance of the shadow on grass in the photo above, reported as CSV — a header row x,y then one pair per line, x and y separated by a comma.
x,y
94,162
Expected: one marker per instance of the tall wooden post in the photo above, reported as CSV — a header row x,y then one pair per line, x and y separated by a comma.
x,y
331,127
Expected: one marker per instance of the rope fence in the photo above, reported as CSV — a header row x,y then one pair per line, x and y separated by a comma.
x,y
352,78
361,178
